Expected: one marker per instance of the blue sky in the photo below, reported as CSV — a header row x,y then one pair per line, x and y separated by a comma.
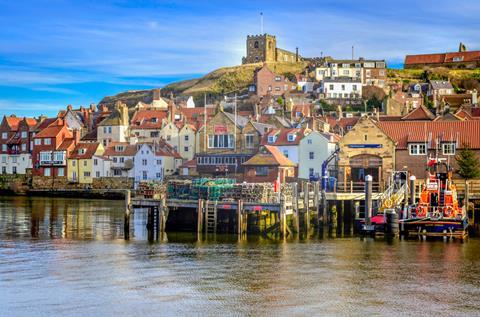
x,y
59,52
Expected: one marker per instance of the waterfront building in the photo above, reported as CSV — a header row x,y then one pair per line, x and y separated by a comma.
x,y
122,156
368,72
16,145
287,141
154,161
146,124
268,165
314,149
187,141
51,146
86,162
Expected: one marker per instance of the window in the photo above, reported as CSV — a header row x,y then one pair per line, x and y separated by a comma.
x,y
74,163
24,147
14,159
343,87
169,137
109,130
38,141
291,137
4,135
309,141
368,72
458,59
4,147
354,87
159,175
249,139
261,170
285,152
59,156
255,45
144,162
46,172
185,149
365,137
86,174
97,174
277,88
311,155
95,162
331,87
159,162
154,134
381,73
45,157
346,72
117,172
47,141
186,138
448,148
220,141
311,171
24,134
4,159
417,149
85,163
14,170
122,159
278,78
114,159
271,139
61,172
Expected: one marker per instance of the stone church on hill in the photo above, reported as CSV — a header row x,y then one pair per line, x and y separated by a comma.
x,y
263,48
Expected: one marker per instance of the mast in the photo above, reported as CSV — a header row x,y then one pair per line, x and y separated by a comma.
x,y
205,122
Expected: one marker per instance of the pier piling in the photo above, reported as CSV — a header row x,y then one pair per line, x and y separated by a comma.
x,y
368,200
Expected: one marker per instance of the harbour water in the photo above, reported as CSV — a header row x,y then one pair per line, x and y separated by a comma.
x,y
68,257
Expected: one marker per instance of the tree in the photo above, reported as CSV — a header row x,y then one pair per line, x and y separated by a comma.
x,y
468,163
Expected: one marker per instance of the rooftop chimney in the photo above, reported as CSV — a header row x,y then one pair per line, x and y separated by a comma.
x,y
156,94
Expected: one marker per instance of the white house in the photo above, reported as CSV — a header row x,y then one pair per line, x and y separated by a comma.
x,y
115,128
147,165
287,141
101,166
122,156
341,88
314,149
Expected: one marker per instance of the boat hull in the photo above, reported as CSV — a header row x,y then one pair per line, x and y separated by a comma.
x,y
434,227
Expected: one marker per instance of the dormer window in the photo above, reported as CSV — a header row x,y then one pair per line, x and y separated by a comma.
x,y
119,148
271,139
291,137
154,120
458,59
82,151
448,148
278,78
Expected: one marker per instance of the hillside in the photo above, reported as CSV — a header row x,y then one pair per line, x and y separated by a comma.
x,y
461,78
226,79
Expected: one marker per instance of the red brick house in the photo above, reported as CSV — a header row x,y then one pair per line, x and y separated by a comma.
x,y
268,165
51,146
267,82
453,60
417,140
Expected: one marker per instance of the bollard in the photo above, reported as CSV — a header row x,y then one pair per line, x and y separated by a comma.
x,y
368,200
391,223
412,190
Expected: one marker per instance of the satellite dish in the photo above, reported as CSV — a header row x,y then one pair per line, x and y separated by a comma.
x,y
128,164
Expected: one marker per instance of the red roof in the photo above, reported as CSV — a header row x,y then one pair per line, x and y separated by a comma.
x,y
462,132
269,156
13,122
128,149
440,58
51,131
419,113
148,119
66,145
191,163
84,150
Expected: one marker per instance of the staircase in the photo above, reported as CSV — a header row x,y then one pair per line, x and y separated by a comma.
x,y
392,197
211,217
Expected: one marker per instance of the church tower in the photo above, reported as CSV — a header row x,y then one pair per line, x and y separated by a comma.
x,y
260,48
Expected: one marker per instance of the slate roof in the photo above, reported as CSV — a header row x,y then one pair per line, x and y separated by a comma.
x,y
282,136
129,149
241,121
441,84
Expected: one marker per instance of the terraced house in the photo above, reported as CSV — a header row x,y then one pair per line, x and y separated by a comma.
x,y
16,145
84,163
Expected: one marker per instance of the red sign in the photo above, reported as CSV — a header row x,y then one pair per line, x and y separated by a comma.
x,y
225,206
220,129
257,208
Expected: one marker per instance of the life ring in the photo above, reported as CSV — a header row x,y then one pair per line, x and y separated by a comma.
x,y
449,212
421,211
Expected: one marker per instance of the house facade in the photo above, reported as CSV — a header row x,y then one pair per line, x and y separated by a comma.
x,y
314,149
268,165
115,128
82,162
121,156
267,82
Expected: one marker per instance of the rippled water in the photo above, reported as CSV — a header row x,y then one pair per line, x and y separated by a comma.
x,y
67,257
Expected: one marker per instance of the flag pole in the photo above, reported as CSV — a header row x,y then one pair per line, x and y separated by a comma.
x,y
205,122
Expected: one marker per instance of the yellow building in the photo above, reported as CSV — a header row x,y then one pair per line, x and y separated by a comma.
x,y
81,162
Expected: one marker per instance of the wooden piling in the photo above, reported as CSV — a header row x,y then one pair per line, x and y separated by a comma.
x,y
200,211
306,202
368,200
239,217
126,223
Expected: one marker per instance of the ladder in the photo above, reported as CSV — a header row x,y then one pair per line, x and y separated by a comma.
x,y
211,217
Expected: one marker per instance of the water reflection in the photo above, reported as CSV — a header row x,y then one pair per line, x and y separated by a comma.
x,y
68,257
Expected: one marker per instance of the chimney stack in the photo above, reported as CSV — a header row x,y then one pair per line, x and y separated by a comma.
x,y
156,94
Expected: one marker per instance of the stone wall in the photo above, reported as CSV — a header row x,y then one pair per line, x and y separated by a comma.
x,y
62,183
14,183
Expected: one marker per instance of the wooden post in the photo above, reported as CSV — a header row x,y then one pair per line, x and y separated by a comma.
x,y
368,199
239,216
295,206
200,208
306,202
126,224
157,216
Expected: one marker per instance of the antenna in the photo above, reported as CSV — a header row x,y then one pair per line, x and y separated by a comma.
x,y
353,51
261,22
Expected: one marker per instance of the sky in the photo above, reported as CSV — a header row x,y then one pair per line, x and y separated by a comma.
x,y
59,52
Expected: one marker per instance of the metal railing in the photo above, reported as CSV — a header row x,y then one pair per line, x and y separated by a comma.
x,y
356,187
